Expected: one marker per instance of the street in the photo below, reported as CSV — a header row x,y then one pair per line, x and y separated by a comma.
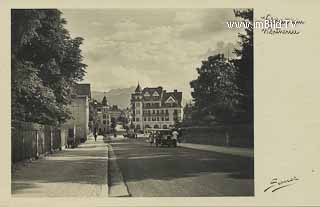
x,y
165,172
135,169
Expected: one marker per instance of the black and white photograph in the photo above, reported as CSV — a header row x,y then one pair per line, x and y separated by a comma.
x,y
132,103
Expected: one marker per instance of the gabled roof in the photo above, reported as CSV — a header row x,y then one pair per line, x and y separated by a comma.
x,y
176,95
83,89
171,99
151,91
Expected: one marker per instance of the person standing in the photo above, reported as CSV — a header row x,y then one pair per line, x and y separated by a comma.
x,y
175,135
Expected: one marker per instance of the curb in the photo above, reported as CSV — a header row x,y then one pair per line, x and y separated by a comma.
x,y
117,186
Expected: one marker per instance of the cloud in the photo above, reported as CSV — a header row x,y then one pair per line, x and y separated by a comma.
x,y
163,50
126,25
97,23
221,48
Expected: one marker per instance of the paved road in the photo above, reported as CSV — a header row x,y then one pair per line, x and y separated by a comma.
x,y
164,172
79,172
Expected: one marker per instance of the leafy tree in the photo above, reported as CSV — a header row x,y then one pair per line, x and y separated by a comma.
x,y
244,63
46,64
215,91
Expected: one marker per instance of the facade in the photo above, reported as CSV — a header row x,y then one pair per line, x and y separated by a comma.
x,y
104,114
103,119
78,125
155,108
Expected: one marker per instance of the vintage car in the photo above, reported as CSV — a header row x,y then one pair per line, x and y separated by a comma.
x,y
162,137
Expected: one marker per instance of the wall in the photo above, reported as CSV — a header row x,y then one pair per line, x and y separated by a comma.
x,y
240,135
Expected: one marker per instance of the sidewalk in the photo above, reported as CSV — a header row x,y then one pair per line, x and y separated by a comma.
x,y
79,172
244,152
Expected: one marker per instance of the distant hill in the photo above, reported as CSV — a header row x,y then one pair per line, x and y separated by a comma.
x,y
119,96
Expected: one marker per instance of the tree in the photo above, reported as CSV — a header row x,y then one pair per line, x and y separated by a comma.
x,y
46,64
244,63
215,91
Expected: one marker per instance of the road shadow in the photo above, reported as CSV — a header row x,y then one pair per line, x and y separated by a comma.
x,y
162,163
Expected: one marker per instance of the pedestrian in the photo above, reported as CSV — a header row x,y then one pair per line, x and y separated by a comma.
x,y
151,139
175,135
95,134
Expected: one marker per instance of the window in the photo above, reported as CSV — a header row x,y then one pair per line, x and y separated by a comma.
x,y
167,118
162,111
175,112
162,118
167,112
153,111
137,111
158,118
157,111
137,104
149,119
137,119
144,119
104,122
104,116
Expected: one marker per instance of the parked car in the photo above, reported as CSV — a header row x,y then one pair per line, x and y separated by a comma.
x,y
163,137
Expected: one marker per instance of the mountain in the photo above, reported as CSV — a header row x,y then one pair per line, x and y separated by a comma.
x,y
119,96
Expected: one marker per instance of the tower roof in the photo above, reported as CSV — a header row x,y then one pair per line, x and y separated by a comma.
x,y
104,101
138,89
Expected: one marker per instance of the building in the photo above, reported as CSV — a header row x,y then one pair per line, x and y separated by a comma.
x,y
156,108
104,114
78,125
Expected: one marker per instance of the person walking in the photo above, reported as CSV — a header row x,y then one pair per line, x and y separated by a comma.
x,y
95,134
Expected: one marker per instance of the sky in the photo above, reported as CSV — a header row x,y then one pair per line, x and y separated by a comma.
x,y
155,47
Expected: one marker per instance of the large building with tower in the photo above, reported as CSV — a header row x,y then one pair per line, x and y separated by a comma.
x,y
155,108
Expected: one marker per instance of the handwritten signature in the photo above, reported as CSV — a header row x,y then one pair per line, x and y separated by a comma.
x,y
276,184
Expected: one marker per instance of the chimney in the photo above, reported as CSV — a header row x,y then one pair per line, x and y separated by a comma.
x,y
175,90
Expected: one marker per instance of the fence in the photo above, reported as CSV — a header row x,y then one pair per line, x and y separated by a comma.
x,y
238,135
29,140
